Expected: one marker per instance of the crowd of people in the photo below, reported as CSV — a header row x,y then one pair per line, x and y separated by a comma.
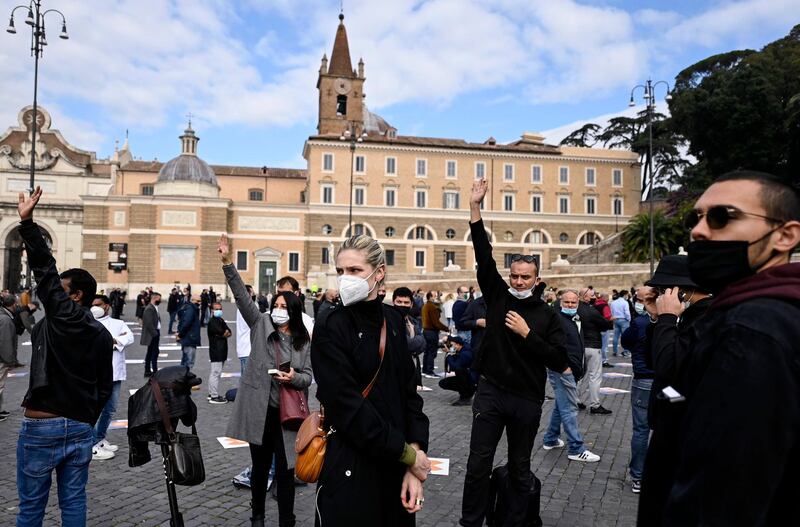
x,y
711,338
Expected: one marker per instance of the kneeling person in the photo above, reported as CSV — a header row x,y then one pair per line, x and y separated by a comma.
x,y
459,375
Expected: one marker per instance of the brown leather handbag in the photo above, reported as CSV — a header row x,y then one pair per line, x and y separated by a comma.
x,y
312,438
293,402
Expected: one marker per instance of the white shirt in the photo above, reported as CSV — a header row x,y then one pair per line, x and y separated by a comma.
x,y
447,309
620,309
123,338
308,322
242,336
159,317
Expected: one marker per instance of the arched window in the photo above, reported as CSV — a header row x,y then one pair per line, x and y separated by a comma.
x,y
536,237
420,232
590,238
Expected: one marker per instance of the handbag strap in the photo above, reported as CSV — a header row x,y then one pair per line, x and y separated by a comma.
x,y
381,352
162,407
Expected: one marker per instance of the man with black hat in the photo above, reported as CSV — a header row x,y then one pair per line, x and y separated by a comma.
x,y
667,354
459,376
740,437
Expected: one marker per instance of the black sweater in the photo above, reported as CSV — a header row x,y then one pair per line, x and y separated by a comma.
x,y
217,341
71,371
504,358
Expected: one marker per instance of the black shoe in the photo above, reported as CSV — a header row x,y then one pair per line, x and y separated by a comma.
x,y
148,374
463,401
581,406
257,521
18,364
3,418
607,364
599,411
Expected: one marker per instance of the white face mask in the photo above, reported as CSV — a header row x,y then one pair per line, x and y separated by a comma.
x,y
522,295
97,312
354,289
639,307
280,316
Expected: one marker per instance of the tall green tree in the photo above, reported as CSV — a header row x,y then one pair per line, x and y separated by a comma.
x,y
669,234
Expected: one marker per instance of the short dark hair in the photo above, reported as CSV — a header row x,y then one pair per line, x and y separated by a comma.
x,y
403,292
288,280
8,299
429,295
779,197
81,280
103,298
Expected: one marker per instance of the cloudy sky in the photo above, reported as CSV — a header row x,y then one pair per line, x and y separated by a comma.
x,y
247,69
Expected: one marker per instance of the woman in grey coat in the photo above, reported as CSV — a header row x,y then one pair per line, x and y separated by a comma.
x,y
276,337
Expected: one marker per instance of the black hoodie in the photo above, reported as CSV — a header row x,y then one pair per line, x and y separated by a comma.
x,y
505,358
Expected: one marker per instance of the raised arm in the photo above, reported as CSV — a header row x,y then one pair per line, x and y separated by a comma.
x,y
244,303
488,277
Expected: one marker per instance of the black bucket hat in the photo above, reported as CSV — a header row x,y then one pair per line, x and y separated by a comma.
x,y
672,271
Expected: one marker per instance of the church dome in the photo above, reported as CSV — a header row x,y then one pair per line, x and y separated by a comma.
x,y
187,167
187,174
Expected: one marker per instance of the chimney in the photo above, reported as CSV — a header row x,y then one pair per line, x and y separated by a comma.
x,y
532,138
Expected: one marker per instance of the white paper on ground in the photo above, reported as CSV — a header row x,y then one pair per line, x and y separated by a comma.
x,y
18,374
169,348
118,424
229,442
607,390
424,389
229,374
440,466
615,375
163,355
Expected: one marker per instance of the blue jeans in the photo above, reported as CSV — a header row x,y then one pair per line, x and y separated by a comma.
x,y
187,356
640,399
243,362
44,445
109,409
565,413
604,347
466,336
620,325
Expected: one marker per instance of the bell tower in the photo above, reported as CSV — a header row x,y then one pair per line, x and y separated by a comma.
x,y
341,94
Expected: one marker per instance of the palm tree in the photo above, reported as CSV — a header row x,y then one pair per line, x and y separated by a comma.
x,y
668,233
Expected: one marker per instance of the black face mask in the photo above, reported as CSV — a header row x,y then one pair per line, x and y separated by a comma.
x,y
713,264
158,302
404,310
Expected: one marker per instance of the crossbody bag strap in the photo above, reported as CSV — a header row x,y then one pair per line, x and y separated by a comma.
x,y
381,352
162,407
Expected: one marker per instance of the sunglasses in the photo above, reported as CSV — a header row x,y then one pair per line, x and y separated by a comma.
x,y
527,258
719,216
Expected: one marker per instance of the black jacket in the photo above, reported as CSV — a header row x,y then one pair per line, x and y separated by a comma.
x,y
475,311
504,358
217,341
667,347
71,372
574,344
634,340
592,325
740,449
362,475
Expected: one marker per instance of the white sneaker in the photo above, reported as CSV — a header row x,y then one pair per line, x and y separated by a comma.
x,y
586,457
560,444
101,454
105,445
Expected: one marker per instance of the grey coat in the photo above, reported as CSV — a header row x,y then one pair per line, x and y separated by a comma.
x,y
8,338
150,320
252,399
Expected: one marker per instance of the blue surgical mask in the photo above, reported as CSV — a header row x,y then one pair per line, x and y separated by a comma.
x,y
571,311
218,313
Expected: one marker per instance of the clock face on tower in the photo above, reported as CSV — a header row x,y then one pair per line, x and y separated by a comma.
x,y
342,86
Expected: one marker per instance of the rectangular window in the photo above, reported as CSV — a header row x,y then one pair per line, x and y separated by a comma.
x,y
294,262
422,198
536,203
359,195
391,166
389,197
508,172
480,170
563,175
616,177
563,205
591,205
591,179
452,171
508,202
327,193
450,258
361,164
419,258
147,190
389,256
422,167
241,260
507,260
326,256
618,210
327,162
536,174
450,200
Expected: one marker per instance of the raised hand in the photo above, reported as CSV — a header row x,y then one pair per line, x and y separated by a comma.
x,y
224,249
479,188
27,204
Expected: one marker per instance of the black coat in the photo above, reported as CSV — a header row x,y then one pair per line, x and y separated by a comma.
x,y
593,324
362,475
474,311
574,344
217,341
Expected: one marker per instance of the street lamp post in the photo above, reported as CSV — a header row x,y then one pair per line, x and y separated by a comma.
x,y
35,19
354,137
650,102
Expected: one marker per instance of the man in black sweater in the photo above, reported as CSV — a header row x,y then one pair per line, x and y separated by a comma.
x,y
70,382
523,337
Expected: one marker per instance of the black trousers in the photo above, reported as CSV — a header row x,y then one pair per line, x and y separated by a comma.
x,y
461,382
151,359
493,410
431,349
272,443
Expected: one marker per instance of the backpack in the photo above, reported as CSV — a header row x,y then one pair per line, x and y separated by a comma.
x,y
230,395
497,511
